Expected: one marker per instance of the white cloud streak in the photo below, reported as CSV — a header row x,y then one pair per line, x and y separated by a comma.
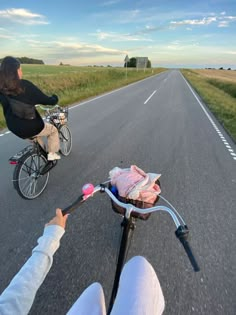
x,y
23,16
109,3
204,21
223,20
115,37
73,48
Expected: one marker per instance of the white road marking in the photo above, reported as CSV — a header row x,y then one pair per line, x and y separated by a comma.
x,y
149,97
5,133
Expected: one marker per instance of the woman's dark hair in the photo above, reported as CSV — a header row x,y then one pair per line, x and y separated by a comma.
x,y
9,78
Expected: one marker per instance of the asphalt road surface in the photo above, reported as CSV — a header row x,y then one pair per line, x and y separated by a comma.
x,y
160,125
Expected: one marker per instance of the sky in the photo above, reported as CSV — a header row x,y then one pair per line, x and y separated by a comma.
x,y
171,33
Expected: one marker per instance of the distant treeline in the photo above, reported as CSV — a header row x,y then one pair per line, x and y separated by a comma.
x,y
26,60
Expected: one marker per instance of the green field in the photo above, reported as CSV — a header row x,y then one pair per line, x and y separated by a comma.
x,y
74,84
217,89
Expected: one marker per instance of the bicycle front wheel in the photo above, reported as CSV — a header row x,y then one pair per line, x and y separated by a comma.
x,y
27,177
65,140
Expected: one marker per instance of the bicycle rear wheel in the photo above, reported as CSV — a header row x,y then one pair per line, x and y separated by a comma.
x,y
27,177
65,140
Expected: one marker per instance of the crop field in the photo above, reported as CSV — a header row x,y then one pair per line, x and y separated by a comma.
x,y
225,75
218,90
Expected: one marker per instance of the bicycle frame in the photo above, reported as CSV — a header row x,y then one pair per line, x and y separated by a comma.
x,y
36,148
50,164
128,226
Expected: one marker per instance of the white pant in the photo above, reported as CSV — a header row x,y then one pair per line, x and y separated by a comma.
x,y
139,293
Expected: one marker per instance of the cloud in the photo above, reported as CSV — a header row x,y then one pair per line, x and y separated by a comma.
x,y
23,16
223,24
231,52
83,48
6,36
151,29
116,37
135,16
230,18
204,21
109,3
67,48
179,45
223,20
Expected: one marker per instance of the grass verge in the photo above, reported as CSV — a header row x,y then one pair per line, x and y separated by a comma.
x,y
218,95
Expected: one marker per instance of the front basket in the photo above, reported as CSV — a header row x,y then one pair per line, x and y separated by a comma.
x,y
136,203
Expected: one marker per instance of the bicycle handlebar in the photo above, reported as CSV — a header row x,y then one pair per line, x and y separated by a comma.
x,y
48,107
181,232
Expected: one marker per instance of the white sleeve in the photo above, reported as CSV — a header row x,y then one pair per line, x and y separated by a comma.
x,y
18,297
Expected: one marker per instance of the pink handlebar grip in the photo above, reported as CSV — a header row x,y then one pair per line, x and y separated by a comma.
x,y
88,189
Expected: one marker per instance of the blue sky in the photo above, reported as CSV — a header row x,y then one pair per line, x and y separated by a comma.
x,y
171,33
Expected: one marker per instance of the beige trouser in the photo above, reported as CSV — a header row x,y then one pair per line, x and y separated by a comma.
x,y
51,133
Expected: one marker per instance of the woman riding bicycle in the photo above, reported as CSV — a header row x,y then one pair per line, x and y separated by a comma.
x,y
18,98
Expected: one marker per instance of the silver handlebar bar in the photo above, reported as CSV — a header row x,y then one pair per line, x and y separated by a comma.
x,y
48,107
129,207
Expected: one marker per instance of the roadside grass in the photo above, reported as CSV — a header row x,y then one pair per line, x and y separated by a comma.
x,y
74,84
219,96
227,87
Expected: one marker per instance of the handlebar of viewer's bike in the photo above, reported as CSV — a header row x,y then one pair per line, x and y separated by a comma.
x,y
182,231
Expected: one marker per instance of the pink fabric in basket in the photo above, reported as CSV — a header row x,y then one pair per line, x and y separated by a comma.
x,y
134,183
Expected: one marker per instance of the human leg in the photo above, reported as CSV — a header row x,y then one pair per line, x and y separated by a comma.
x,y
139,291
51,133
91,302
39,140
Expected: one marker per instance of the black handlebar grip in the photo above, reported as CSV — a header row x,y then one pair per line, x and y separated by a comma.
x,y
182,234
74,205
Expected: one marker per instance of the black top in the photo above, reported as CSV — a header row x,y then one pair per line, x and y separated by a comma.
x,y
31,95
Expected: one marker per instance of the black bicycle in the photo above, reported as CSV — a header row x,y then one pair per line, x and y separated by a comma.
x,y
131,211
31,173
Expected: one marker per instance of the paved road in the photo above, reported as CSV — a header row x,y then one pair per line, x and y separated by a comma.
x,y
159,125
